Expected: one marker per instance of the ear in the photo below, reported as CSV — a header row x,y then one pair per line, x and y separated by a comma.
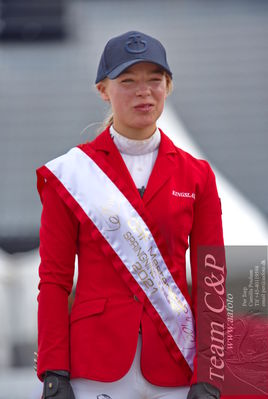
x,y
102,89
169,85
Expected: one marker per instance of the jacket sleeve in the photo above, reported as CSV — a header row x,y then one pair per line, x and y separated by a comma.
x,y
58,240
206,235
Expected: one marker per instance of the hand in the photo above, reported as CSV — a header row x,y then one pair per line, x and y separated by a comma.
x,y
57,386
203,390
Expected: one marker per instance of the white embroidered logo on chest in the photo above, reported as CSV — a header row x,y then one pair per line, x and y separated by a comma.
x,y
183,194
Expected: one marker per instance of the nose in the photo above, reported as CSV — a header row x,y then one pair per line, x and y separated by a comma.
x,y
143,89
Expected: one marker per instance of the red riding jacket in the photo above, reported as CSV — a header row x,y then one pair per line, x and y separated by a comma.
x,y
98,339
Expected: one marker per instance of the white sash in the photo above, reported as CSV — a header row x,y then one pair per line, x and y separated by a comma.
x,y
129,236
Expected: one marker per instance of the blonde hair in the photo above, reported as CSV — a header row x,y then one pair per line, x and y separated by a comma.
x,y
108,121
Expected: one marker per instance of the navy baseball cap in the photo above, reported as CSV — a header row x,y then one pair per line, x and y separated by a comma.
x,y
128,49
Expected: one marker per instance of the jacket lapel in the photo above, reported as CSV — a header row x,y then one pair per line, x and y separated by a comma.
x,y
104,144
163,168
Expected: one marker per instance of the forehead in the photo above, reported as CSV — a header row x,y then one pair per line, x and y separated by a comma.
x,y
147,67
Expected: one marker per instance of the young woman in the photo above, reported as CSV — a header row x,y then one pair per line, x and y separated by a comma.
x,y
126,203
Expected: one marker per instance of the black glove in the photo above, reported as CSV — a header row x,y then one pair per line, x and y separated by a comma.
x,y
57,385
203,390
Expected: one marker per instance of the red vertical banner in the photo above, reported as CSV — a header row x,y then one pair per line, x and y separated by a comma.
x,y
232,333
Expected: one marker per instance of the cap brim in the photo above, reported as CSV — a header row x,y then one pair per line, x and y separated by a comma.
x,y
121,68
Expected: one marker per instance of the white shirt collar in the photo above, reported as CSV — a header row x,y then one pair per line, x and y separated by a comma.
x,y
135,147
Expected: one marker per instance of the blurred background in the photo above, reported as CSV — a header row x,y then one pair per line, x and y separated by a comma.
x,y
49,52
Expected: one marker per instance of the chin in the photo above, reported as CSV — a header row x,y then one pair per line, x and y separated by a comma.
x,y
145,124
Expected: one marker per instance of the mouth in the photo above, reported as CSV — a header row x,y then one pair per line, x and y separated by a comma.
x,y
144,107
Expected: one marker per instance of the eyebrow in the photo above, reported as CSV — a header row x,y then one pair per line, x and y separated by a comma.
x,y
158,70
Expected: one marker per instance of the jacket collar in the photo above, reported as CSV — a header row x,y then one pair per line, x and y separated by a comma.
x,y
163,168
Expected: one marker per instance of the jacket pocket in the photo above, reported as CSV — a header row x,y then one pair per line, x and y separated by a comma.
x,y
87,309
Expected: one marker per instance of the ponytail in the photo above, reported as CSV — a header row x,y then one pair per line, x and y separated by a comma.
x,y
108,121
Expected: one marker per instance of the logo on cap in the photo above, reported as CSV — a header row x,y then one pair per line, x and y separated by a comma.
x,y
135,44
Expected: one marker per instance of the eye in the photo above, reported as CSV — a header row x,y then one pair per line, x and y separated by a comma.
x,y
156,78
127,80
